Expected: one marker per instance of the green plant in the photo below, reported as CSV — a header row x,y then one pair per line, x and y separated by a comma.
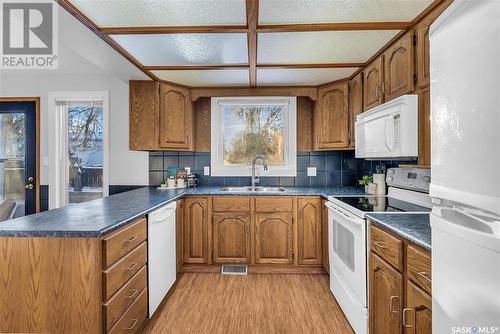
x,y
365,180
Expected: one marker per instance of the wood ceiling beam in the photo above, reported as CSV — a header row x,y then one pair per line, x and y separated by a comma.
x,y
240,66
308,91
172,30
326,65
252,10
333,26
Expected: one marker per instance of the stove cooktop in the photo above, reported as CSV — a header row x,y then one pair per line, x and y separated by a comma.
x,y
381,204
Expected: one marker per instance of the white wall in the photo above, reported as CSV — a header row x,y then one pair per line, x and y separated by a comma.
x,y
86,63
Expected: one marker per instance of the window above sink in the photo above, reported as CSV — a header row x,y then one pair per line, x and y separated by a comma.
x,y
246,127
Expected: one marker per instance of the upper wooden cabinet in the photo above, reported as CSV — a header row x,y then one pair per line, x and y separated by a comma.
x,y
373,77
176,118
399,68
195,225
274,238
231,237
355,104
143,115
332,117
309,230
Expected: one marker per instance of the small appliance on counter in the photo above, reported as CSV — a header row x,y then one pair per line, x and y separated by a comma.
x,y
192,181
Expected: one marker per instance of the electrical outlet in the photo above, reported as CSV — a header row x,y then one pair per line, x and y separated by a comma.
x,y
206,170
311,171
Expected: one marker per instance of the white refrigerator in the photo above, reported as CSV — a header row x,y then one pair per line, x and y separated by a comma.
x,y
465,154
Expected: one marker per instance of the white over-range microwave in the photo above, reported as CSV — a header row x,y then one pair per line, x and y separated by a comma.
x,y
389,131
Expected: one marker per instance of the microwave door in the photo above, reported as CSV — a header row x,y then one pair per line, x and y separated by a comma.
x,y
378,134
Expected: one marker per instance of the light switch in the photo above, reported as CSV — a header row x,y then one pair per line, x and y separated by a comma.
x,y
206,170
311,171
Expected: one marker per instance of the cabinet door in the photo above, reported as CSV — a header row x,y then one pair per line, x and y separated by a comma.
x,y
325,235
385,297
196,230
179,232
274,238
373,76
309,230
417,317
143,115
231,237
176,118
332,117
399,68
355,104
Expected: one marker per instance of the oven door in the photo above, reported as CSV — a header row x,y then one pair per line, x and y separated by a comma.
x,y
347,251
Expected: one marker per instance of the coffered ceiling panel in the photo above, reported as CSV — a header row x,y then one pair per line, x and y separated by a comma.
x,y
301,76
321,46
326,11
135,13
206,77
186,49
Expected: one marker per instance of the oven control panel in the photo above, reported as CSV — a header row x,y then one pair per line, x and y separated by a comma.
x,y
417,179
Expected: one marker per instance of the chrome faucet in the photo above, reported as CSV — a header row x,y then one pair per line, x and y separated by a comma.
x,y
256,179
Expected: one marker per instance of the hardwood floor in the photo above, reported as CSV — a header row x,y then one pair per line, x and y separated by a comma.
x,y
257,303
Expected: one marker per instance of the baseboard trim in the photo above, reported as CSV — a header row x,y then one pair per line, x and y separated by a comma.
x,y
256,269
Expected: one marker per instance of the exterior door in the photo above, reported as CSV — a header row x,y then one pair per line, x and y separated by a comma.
x,y
18,155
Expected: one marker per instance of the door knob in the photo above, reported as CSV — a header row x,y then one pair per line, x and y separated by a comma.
x,y
29,186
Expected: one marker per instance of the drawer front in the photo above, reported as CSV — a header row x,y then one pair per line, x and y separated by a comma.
x,y
123,241
115,307
116,276
273,204
231,203
133,319
419,267
387,246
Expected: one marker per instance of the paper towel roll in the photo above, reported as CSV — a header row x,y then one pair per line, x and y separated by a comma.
x,y
379,180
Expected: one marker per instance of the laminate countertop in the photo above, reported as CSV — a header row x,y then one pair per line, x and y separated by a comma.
x,y
413,227
95,218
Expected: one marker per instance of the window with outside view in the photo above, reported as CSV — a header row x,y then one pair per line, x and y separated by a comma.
x,y
243,129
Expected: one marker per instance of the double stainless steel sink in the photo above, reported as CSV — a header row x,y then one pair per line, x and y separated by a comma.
x,y
255,189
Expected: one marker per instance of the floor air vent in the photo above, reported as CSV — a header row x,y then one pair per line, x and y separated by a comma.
x,y
234,270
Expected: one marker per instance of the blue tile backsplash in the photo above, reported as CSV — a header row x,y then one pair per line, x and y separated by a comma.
x,y
335,168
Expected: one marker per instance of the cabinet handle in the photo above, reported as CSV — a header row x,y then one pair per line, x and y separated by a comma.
x,y
133,325
377,91
134,291
424,274
384,87
379,244
132,266
404,317
391,305
129,240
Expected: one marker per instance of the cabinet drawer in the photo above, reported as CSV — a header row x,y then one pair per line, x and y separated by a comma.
x,y
231,203
273,204
116,276
419,267
123,241
388,247
133,319
115,307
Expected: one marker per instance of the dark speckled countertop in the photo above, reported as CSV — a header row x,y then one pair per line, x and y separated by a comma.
x,y
413,227
98,217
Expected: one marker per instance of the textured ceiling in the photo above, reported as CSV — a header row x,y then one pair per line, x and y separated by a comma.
x,y
301,76
206,77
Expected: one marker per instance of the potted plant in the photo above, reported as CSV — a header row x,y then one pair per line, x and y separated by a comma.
x,y
365,181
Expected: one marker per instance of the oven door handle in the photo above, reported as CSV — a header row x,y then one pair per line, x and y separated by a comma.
x,y
355,221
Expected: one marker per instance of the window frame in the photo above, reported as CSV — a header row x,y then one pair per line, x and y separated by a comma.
x,y
217,137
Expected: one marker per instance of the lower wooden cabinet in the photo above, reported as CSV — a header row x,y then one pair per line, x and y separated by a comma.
x,y
417,314
385,297
231,237
196,230
274,238
309,230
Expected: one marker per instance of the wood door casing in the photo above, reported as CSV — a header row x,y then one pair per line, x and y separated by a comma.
x,y
385,284
309,230
274,238
176,118
373,77
332,117
196,230
418,310
399,68
355,104
231,237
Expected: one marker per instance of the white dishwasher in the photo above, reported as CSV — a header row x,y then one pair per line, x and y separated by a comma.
x,y
161,254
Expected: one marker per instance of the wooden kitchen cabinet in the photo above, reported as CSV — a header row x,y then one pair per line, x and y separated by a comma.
x,y
179,234
417,314
332,117
196,238
373,78
274,238
309,230
231,237
143,115
355,104
324,236
176,118
399,68
385,297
